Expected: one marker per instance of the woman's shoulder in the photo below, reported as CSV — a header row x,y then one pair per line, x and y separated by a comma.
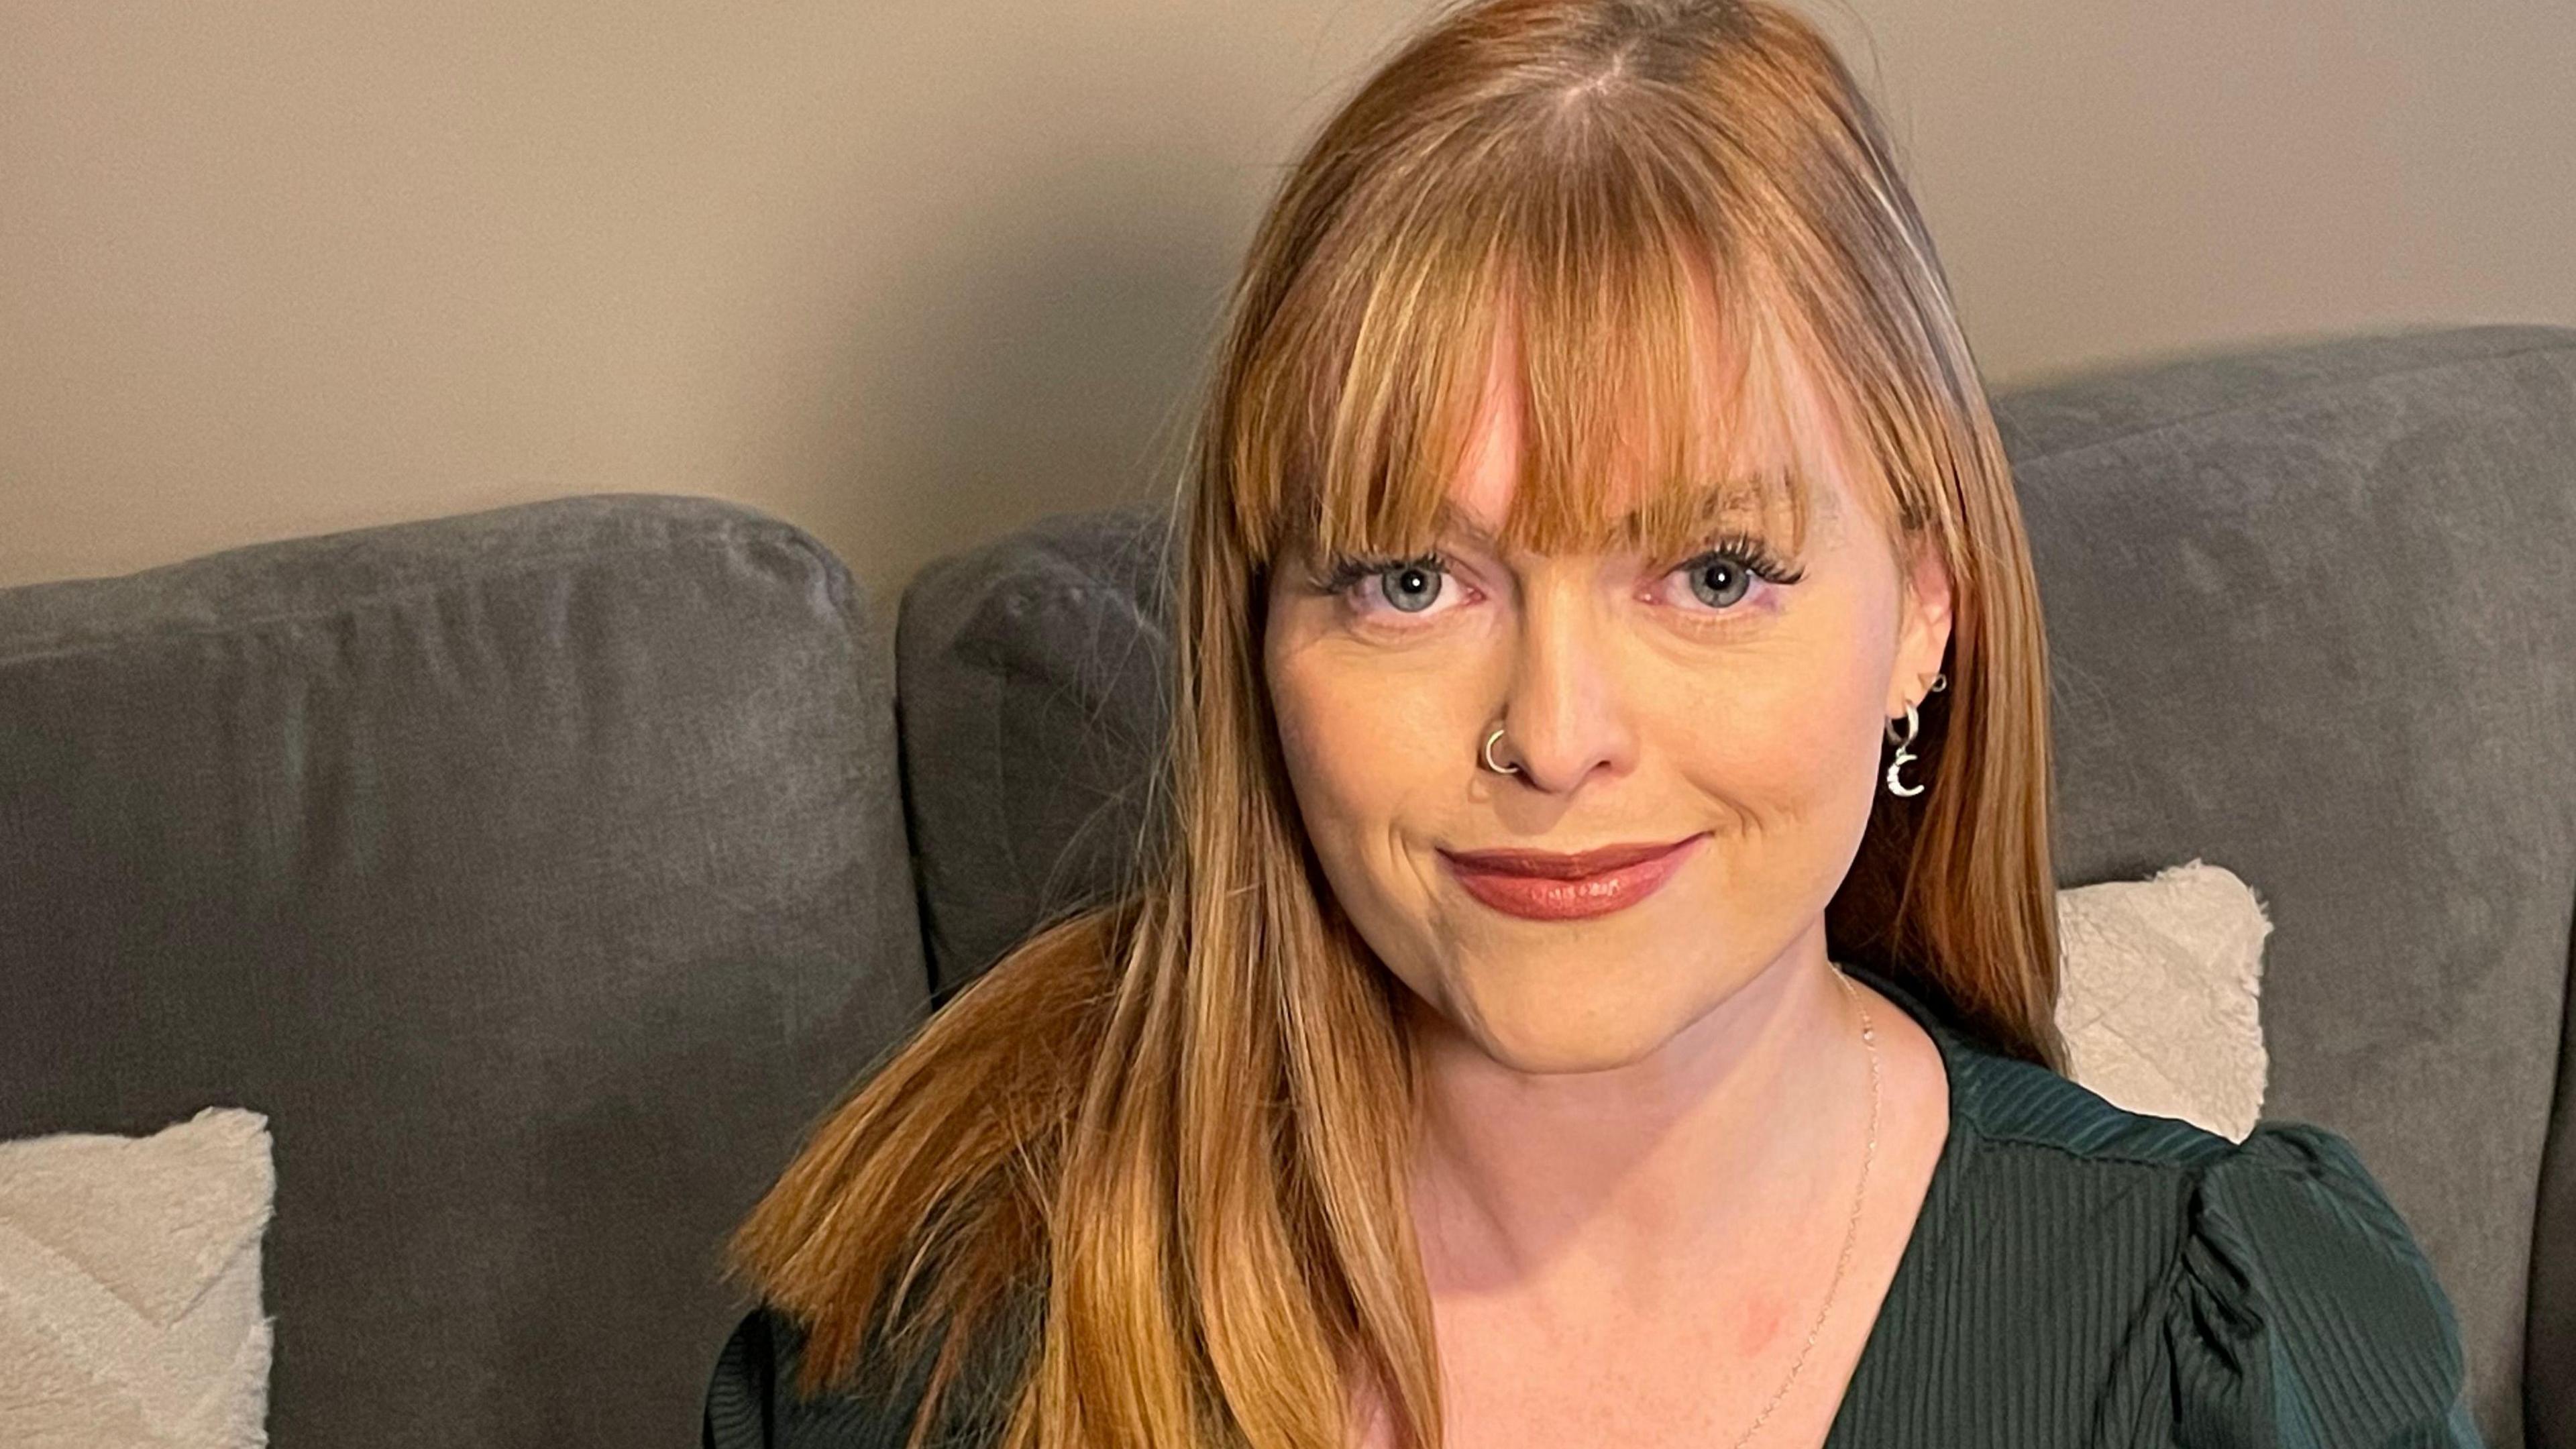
x,y
2288,1218
2294,1297
2302,1301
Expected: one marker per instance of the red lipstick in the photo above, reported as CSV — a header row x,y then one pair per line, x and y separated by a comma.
x,y
1547,885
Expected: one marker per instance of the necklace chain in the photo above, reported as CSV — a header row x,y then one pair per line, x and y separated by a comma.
x,y
1869,1038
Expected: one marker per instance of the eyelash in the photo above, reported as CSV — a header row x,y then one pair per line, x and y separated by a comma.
x,y
1342,571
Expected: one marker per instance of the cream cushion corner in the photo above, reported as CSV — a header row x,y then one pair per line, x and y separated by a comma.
x,y
130,1313
2159,995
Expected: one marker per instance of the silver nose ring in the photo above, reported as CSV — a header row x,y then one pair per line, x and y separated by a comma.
x,y
1489,754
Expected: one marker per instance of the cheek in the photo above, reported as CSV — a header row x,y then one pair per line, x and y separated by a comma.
x,y
1357,757
1781,751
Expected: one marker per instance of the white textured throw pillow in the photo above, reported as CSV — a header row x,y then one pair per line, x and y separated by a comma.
x,y
129,1287
2159,999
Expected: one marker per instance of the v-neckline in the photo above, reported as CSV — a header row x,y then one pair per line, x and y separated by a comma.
x,y
1915,1267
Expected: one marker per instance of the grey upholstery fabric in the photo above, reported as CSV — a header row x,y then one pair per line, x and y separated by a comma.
x,y
540,872
2311,619
1042,695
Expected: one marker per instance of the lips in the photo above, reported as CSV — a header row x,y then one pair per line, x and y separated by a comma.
x,y
1550,886
1556,865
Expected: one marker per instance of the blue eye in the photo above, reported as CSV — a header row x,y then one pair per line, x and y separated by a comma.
x,y
1731,565
1409,584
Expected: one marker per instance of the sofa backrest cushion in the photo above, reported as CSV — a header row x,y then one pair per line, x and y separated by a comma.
x,y
538,872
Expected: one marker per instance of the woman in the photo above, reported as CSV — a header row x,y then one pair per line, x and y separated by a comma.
x,y
1548,1017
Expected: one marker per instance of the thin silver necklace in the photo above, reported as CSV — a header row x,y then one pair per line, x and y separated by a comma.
x,y
1869,1038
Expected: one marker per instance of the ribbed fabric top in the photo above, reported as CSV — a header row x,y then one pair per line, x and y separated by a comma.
x,y
2079,1277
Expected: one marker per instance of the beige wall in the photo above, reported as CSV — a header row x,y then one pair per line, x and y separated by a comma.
x,y
911,272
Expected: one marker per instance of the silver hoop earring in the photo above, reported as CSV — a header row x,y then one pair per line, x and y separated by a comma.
x,y
1904,755
1488,753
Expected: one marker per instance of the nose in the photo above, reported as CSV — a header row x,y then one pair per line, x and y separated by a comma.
x,y
1563,713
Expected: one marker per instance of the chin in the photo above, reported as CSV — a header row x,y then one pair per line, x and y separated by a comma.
x,y
1543,1043
1552,1051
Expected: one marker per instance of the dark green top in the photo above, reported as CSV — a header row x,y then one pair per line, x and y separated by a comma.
x,y
2079,1277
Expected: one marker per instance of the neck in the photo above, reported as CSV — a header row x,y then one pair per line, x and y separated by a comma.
x,y
1618,1190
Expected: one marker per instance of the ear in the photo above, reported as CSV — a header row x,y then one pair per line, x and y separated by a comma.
x,y
1922,624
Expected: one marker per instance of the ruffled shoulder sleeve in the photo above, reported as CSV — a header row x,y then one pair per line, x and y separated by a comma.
x,y
2303,1313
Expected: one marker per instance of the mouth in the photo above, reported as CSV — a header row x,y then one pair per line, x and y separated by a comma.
x,y
1553,886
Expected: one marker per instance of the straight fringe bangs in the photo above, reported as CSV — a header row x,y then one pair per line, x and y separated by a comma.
x,y
1646,341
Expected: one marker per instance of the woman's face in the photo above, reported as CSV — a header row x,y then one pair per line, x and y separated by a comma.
x,y
1648,701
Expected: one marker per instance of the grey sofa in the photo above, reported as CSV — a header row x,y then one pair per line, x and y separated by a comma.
x,y
543,871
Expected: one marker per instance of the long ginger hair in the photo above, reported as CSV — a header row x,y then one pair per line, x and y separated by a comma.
x,y
1162,1147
